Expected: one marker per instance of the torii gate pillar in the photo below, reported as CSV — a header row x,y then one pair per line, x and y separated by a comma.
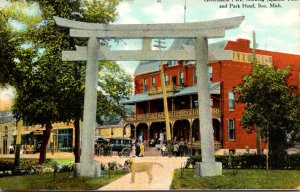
x,y
208,166
89,167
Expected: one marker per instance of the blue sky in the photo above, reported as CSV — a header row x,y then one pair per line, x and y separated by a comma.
x,y
277,29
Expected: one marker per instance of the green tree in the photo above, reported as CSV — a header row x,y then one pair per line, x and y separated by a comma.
x,y
49,90
271,105
114,85
7,47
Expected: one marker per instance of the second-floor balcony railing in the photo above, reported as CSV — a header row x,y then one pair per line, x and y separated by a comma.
x,y
169,88
174,115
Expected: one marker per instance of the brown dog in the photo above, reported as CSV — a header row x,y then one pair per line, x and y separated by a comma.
x,y
141,167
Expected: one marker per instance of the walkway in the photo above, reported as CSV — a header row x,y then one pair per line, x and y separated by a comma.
x,y
162,177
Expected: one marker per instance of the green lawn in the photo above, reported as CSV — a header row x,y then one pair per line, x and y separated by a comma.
x,y
243,179
63,181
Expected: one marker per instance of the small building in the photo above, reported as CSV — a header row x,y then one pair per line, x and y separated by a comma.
x,y
62,135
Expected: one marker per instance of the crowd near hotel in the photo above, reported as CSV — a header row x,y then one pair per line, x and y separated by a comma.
x,y
229,61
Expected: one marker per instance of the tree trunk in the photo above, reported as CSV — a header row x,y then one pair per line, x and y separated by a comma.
x,y
258,141
46,136
77,141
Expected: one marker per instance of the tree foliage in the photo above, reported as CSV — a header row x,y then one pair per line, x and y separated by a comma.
x,y
7,50
271,105
114,85
49,90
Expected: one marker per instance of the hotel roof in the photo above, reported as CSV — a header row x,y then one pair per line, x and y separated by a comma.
x,y
214,89
216,52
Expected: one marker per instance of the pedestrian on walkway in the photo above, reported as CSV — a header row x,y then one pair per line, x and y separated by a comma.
x,y
142,149
137,149
11,149
163,150
175,149
133,150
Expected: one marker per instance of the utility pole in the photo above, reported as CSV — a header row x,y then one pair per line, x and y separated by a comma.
x,y
254,46
18,142
165,100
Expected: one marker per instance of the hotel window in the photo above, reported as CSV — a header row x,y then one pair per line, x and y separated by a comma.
x,y
210,71
231,100
231,135
153,81
145,85
171,63
174,80
181,78
166,79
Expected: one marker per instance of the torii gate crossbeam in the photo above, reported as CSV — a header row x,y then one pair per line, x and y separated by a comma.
x,y
200,31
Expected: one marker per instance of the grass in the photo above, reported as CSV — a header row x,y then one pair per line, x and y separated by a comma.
x,y
63,181
243,179
64,161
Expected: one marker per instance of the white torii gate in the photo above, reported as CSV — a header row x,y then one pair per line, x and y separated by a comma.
x,y
201,31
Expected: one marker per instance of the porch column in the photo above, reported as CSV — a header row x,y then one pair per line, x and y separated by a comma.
x,y
135,133
191,130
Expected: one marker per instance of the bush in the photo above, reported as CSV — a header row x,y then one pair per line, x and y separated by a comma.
x,y
293,161
248,161
191,161
65,168
30,166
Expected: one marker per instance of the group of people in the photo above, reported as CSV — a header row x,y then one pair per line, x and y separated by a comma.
x,y
102,149
180,149
137,149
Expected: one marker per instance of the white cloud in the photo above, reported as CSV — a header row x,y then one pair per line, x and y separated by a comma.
x,y
128,66
246,27
128,20
269,17
3,3
123,8
173,14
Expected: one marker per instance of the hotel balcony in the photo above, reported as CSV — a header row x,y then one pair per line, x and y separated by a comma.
x,y
174,115
169,88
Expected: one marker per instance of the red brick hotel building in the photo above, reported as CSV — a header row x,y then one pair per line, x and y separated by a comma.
x,y
229,61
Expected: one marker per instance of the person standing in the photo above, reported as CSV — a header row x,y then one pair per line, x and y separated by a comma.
x,y
137,149
133,150
161,138
163,150
142,148
175,149
11,149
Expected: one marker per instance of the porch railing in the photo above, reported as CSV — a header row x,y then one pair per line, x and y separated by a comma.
x,y
174,115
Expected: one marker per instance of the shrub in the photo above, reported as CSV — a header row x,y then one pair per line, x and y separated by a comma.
x,y
192,161
293,161
248,161
112,165
65,168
